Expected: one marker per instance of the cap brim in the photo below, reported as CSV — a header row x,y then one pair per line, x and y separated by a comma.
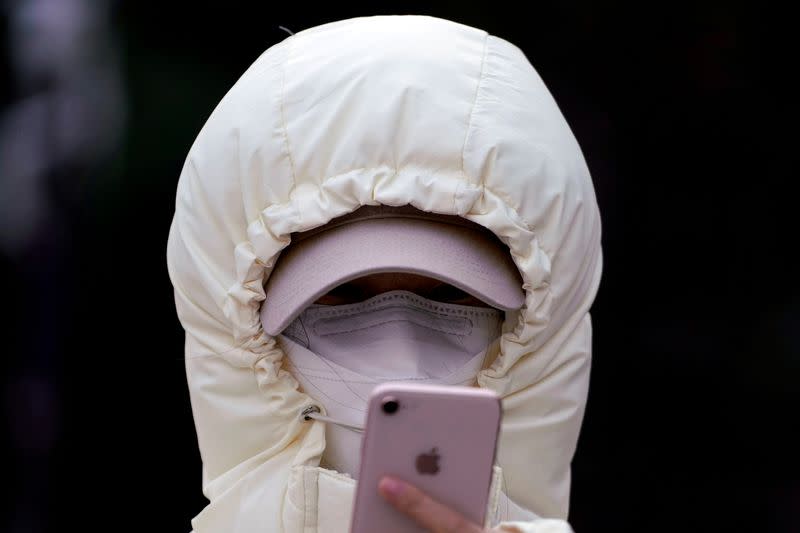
x,y
458,255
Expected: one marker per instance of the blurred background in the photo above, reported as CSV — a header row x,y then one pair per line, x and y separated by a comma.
x,y
688,121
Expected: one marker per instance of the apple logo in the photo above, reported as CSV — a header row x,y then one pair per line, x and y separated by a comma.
x,y
428,463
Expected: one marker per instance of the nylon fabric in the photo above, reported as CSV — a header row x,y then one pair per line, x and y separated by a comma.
x,y
387,110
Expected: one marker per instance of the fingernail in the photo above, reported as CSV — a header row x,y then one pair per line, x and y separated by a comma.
x,y
391,487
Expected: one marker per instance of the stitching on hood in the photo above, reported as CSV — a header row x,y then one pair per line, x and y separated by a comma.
x,y
481,77
285,129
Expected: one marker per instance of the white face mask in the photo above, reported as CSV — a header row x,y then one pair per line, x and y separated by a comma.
x,y
339,353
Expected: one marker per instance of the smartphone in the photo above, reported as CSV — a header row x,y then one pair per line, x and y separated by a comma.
x,y
442,439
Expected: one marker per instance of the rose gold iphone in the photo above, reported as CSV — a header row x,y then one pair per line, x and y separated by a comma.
x,y
442,439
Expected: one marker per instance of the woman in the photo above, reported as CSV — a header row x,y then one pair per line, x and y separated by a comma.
x,y
381,111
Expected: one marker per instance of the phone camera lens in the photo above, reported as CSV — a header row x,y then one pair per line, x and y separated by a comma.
x,y
390,406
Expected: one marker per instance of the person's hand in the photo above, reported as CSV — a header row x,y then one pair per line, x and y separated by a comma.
x,y
426,511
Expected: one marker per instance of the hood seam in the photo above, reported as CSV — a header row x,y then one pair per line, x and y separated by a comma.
x,y
474,102
281,98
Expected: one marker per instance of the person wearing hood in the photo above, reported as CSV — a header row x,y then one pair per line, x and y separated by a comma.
x,y
377,199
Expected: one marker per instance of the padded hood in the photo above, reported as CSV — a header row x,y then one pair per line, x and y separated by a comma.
x,y
392,110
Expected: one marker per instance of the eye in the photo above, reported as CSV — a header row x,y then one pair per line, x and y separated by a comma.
x,y
345,293
449,294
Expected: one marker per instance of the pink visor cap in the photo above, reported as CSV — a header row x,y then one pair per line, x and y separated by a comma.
x,y
380,239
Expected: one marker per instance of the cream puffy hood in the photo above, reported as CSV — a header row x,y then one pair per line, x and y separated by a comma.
x,y
390,110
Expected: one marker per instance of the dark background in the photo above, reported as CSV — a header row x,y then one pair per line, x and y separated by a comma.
x,y
687,119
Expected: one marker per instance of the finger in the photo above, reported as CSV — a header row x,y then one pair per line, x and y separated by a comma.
x,y
426,511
